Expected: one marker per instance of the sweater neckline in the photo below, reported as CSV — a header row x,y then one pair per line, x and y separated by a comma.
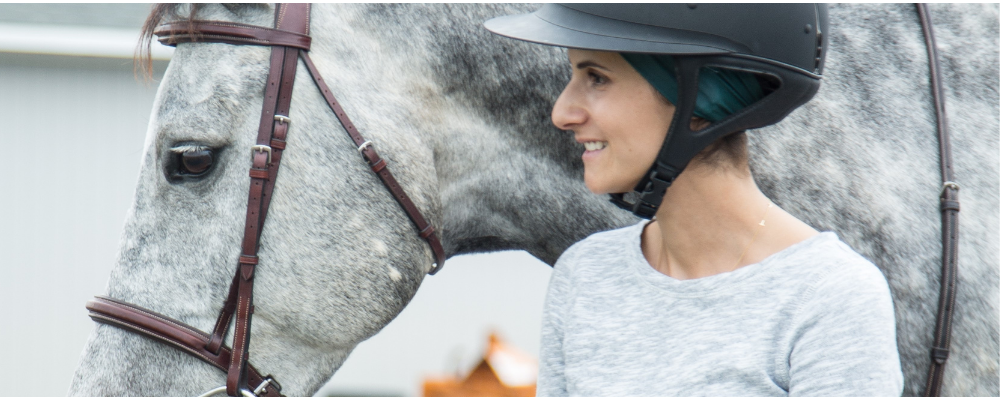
x,y
702,286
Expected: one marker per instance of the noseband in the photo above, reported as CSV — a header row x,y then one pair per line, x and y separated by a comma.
x,y
289,41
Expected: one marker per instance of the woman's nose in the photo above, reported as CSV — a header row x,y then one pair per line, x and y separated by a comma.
x,y
567,112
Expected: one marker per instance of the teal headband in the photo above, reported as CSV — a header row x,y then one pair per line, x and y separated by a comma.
x,y
720,92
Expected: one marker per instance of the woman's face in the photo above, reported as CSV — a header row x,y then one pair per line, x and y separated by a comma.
x,y
617,115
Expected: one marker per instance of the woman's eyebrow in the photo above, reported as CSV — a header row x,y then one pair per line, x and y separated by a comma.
x,y
585,64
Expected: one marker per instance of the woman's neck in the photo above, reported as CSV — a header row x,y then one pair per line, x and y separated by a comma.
x,y
710,223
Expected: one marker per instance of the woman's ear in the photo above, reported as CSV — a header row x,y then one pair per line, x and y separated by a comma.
x,y
698,123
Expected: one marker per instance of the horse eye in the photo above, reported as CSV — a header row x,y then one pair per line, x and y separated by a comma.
x,y
195,162
190,162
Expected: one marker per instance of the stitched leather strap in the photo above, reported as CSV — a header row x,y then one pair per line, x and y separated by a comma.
x,y
291,18
949,220
229,32
174,333
379,166
286,39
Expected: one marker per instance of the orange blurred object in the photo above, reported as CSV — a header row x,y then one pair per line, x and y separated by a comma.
x,y
504,372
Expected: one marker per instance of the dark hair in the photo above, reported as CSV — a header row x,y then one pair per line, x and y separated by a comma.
x,y
142,62
727,152
730,151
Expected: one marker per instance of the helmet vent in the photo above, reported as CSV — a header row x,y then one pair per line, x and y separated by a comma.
x,y
768,83
819,44
819,50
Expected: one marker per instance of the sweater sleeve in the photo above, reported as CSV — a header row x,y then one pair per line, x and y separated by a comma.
x,y
551,374
844,342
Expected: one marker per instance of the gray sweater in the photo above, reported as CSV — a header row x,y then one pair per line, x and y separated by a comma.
x,y
815,319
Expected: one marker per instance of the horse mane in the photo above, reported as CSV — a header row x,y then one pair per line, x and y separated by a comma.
x,y
142,61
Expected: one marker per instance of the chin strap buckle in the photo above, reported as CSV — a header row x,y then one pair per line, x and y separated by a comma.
x,y
652,194
646,202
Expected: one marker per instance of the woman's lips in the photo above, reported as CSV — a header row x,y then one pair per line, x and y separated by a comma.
x,y
591,154
592,148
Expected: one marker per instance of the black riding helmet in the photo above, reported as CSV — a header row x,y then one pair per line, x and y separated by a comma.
x,y
783,44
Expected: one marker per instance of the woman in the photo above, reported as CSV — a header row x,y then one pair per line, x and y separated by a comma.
x,y
721,292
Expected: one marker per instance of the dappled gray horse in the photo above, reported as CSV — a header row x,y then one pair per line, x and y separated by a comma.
x,y
462,118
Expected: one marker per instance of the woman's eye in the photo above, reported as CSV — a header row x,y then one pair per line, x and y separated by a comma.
x,y
196,162
597,79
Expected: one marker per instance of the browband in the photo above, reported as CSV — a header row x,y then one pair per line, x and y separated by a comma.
x,y
229,32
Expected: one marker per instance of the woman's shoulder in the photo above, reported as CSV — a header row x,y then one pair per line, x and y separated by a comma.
x,y
836,254
599,243
600,247
835,266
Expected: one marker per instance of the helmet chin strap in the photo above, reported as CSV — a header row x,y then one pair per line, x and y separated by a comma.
x,y
682,143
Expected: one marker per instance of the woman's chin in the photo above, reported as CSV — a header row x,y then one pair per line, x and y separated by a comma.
x,y
604,183
595,190
600,185
593,184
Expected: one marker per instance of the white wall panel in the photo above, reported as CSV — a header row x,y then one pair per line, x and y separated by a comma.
x,y
72,131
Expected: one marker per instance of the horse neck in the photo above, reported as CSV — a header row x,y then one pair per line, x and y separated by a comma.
x,y
502,172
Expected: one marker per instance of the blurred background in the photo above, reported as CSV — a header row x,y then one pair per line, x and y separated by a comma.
x,y
73,124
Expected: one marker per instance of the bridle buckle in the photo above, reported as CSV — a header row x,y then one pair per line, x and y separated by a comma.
x,y
949,185
246,393
263,149
222,389
367,143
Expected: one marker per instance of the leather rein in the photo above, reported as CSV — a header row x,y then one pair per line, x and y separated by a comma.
x,y
949,219
289,41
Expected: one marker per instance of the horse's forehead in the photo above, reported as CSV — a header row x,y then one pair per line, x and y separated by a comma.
x,y
216,68
248,13
204,72
206,87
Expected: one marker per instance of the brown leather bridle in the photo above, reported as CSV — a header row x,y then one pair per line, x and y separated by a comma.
x,y
289,41
949,219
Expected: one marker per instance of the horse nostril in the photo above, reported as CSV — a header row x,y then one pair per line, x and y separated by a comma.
x,y
196,161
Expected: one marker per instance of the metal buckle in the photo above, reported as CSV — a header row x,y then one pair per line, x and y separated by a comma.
x,y
222,389
262,385
282,118
263,149
367,143
244,392
948,184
